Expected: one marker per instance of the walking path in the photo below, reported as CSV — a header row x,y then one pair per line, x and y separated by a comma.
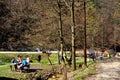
x,y
107,70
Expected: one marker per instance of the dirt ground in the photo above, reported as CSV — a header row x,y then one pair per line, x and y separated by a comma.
x,y
106,70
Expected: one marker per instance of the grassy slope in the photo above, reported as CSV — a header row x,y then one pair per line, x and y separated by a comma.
x,y
85,72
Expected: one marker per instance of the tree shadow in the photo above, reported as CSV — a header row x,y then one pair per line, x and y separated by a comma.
x,y
31,70
5,78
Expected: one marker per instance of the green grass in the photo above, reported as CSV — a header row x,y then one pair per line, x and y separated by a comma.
x,y
87,71
6,57
5,70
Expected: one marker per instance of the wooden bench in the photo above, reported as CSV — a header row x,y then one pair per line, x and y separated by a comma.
x,y
16,67
25,68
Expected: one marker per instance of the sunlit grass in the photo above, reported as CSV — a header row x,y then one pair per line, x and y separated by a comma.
x,y
87,71
5,69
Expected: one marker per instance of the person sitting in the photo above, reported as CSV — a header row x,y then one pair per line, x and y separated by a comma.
x,y
24,64
19,60
28,60
14,63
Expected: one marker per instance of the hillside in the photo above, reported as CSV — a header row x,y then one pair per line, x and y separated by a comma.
x,y
34,23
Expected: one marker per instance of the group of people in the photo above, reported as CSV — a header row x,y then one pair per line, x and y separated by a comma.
x,y
20,63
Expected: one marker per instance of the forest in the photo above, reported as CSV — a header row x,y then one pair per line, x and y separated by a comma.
x,y
28,24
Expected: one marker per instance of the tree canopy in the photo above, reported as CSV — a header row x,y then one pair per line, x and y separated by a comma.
x,y
34,23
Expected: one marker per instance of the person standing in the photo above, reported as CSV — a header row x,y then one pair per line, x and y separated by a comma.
x,y
39,58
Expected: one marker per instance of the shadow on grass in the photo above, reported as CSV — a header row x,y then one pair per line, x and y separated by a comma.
x,y
5,78
31,70
2,64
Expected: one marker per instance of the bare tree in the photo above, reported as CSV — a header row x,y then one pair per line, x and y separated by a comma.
x,y
60,29
73,36
85,45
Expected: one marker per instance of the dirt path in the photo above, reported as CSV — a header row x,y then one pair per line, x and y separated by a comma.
x,y
107,70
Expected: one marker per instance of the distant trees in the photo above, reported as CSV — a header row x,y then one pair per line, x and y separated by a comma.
x,y
4,17
33,23
107,23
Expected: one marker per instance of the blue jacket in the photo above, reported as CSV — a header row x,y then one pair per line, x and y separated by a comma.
x,y
24,62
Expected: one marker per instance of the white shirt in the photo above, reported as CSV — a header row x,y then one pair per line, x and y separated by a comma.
x,y
28,59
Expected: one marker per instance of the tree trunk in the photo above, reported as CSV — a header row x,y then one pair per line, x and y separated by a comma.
x,y
61,41
73,36
60,31
85,54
